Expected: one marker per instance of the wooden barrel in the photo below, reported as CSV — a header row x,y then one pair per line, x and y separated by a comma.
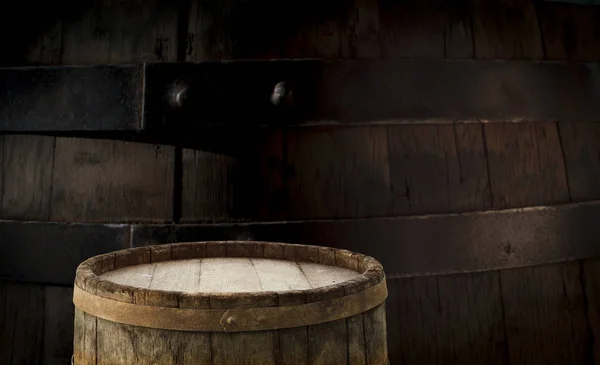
x,y
230,302
362,188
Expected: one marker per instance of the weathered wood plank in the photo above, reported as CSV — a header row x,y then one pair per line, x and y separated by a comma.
x,y
210,31
293,342
8,316
22,329
545,314
526,165
412,245
591,286
375,333
327,343
449,320
506,30
26,176
571,31
116,32
58,325
327,32
394,321
438,169
46,49
418,332
31,251
412,28
458,34
240,348
581,147
360,30
209,181
334,169
357,335
111,181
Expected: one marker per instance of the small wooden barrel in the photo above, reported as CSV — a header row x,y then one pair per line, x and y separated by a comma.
x,y
230,303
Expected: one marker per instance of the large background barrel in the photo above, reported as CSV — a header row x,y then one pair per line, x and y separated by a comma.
x,y
504,287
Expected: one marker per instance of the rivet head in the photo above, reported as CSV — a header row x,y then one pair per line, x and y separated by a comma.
x,y
282,94
231,320
260,319
178,94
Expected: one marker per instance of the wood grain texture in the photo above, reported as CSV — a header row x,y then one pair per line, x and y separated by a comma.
x,y
412,28
327,343
21,323
58,325
111,181
526,164
581,147
327,32
458,33
46,49
26,176
545,314
375,332
209,35
570,31
117,32
393,321
209,186
426,29
334,170
591,286
438,169
447,320
360,30
506,29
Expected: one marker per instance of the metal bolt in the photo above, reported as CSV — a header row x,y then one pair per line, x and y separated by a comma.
x,y
178,94
282,94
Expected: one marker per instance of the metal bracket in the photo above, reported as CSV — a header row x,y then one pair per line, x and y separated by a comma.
x,y
176,96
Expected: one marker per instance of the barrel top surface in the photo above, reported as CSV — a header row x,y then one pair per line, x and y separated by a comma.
x,y
230,275
228,285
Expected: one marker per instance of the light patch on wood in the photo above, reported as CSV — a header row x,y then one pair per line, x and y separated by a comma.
x,y
322,275
276,275
229,275
139,276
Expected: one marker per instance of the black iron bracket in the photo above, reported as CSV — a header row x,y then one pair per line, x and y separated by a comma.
x,y
170,96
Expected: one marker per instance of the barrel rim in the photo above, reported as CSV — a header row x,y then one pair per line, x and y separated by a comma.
x,y
87,274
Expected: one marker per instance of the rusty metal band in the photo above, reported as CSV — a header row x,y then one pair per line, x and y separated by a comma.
x,y
234,319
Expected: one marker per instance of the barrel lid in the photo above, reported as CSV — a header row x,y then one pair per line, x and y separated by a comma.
x,y
199,285
230,275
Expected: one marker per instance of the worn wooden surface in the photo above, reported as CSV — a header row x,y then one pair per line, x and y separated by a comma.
x,y
230,275
50,253
26,173
526,165
71,179
36,324
111,181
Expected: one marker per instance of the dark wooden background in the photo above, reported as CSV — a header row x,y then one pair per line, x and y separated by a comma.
x,y
545,314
